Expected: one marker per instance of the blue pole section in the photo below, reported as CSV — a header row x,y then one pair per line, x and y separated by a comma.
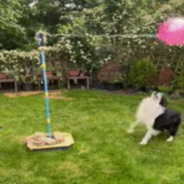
x,y
44,77
47,107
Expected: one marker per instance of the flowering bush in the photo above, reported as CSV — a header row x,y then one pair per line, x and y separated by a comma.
x,y
25,65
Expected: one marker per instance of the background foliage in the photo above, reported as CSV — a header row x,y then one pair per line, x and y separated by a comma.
x,y
87,34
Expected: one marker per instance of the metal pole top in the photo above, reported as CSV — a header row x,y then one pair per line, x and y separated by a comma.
x,y
39,37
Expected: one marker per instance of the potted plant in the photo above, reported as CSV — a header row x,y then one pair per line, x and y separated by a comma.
x,y
28,76
28,82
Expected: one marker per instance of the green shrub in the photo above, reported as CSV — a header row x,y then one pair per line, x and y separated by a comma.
x,y
178,81
142,73
165,89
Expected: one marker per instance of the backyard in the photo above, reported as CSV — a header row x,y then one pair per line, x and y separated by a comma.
x,y
103,153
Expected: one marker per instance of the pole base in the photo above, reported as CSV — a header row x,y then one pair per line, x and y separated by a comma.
x,y
40,142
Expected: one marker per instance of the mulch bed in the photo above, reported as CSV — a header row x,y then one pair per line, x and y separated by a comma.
x,y
22,94
56,94
53,94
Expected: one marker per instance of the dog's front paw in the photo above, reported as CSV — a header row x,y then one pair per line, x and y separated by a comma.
x,y
130,131
170,139
142,143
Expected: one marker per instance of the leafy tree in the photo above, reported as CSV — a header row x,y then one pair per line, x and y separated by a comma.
x,y
12,35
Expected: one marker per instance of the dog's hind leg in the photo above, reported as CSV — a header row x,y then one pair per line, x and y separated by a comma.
x,y
151,132
173,130
132,127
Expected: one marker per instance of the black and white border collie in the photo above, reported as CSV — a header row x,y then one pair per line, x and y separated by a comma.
x,y
153,113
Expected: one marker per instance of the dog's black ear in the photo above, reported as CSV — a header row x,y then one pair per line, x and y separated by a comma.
x,y
163,101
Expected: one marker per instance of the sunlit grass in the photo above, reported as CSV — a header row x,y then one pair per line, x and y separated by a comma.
x,y
103,152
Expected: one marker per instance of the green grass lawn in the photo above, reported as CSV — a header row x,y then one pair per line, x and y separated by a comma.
x,y
104,153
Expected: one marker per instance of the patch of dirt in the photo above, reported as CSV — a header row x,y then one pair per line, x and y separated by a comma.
x,y
56,92
22,94
60,98
57,96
